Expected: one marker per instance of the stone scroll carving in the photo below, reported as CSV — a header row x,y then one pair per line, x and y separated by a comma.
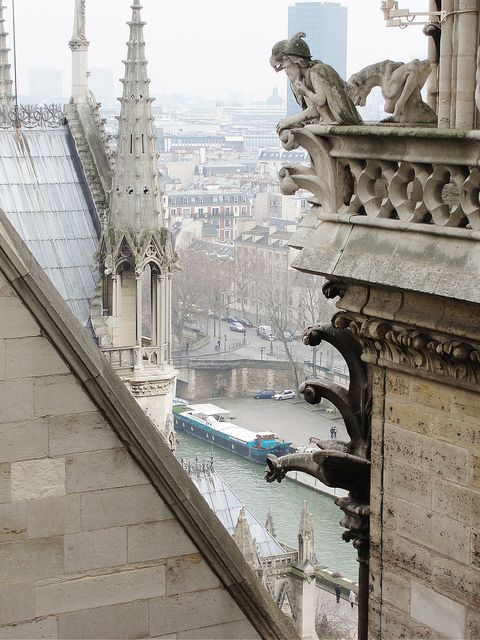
x,y
436,354
400,84
317,87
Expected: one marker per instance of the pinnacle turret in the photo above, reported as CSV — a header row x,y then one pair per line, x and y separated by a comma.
x,y
6,84
306,537
136,201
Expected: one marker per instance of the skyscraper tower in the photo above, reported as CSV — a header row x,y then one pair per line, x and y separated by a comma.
x,y
325,24
136,252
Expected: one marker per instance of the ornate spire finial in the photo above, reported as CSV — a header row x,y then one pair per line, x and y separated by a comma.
x,y
79,46
79,22
6,84
269,526
306,537
136,201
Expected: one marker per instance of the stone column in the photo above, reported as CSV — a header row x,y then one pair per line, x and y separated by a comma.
x,y
138,279
161,317
445,69
154,308
168,313
467,29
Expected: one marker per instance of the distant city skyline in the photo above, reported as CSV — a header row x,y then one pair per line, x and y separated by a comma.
x,y
214,49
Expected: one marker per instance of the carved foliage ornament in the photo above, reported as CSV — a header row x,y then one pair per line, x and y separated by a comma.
x,y
418,349
142,389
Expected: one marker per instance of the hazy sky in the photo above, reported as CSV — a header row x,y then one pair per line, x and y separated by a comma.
x,y
198,46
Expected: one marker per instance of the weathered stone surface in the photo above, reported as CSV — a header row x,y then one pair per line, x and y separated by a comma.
x,y
190,611
400,553
458,581
102,470
411,449
157,540
5,483
24,440
16,411
13,521
17,603
410,483
115,622
15,320
189,573
32,357
475,469
2,360
54,516
50,393
434,531
38,478
457,502
396,625
100,590
30,560
396,591
442,614
102,509
79,433
37,629
94,549
232,630
473,626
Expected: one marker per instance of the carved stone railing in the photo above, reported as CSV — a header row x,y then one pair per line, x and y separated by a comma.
x,y
130,358
400,174
34,116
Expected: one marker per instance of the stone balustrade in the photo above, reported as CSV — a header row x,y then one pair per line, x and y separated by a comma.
x,y
410,175
129,358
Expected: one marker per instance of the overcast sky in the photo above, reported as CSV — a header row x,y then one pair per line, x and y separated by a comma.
x,y
206,47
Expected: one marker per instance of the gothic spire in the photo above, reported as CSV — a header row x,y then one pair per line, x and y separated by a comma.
x,y
269,526
6,90
246,543
136,201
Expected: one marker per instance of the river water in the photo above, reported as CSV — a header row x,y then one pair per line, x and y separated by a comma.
x,y
285,501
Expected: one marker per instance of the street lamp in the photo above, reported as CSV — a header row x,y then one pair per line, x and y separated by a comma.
x,y
262,349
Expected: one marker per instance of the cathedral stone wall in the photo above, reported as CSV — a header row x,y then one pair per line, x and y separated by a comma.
x,y
88,548
425,555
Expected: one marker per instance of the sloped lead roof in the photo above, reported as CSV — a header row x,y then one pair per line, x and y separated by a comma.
x,y
44,195
139,435
227,507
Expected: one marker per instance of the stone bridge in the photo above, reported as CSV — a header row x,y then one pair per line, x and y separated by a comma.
x,y
199,379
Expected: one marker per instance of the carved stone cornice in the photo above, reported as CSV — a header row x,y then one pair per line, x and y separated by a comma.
x,y
429,354
147,389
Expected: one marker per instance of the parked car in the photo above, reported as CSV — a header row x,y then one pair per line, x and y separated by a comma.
x,y
287,394
237,326
264,394
263,329
230,319
246,322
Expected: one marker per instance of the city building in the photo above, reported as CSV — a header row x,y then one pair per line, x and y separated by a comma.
x,y
224,211
325,24
102,84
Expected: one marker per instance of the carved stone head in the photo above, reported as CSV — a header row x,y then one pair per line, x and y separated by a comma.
x,y
276,59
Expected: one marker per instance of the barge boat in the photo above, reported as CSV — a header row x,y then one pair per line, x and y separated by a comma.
x,y
212,424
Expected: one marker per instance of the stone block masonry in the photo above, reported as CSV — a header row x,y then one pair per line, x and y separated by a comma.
x,y
424,528
92,544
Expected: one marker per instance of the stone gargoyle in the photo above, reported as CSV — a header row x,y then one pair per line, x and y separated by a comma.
x,y
336,463
400,84
317,87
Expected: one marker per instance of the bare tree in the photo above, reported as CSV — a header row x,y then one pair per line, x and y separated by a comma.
x,y
244,276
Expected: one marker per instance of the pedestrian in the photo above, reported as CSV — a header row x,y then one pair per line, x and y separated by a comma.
x,y
338,591
218,345
351,598
187,346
